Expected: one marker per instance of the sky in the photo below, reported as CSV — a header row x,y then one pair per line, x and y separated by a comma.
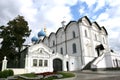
x,y
51,13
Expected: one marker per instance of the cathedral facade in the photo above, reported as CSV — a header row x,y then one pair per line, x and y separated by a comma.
x,y
78,45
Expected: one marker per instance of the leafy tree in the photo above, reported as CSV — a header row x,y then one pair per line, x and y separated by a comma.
x,y
14,35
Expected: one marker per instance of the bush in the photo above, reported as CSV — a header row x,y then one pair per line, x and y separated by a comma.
x,y
11,73
6,73
1,74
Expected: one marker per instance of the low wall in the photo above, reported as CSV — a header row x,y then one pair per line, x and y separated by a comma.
x,y
18,70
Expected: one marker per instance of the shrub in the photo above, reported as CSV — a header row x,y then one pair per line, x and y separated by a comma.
x,y
1,74
11,73
6,73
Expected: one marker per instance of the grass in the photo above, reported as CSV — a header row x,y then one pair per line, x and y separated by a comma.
x,y
67,74
29,75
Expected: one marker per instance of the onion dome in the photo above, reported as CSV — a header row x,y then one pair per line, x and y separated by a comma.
x,y
41,33
34,39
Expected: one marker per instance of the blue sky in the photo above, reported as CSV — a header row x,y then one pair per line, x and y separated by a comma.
x,y
51,13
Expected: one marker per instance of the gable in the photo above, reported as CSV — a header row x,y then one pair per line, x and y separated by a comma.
x,y
68,25
104,30
59,30
85,21
51,35
40,52
95,26
39,49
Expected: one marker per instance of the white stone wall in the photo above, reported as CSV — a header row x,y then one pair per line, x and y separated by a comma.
x,y
63,46
60,36
45,41
51,39
70,40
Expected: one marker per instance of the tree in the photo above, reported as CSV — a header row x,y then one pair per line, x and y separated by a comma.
x,y
14,35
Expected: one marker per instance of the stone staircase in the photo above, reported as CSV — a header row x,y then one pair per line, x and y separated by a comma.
x,y
94,61
88,66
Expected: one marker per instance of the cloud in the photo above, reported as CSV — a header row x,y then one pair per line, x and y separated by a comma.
x,y
8,9
106,13
100,4
110,19
38,13
81,10
90,3
50,13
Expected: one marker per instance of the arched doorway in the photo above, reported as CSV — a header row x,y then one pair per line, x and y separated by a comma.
x,y
99,48
67,65
57,65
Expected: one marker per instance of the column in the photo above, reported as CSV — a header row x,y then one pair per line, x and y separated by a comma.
x,y
4,64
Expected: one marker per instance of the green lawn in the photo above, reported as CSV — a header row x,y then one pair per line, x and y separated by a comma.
x,y
29,75
67,74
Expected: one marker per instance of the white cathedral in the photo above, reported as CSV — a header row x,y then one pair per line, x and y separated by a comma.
x,y
79,45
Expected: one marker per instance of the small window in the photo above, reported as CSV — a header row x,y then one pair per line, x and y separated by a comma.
x,y
86,33
40,62
45,63
103,40
95,37
53,51
73,34
40,51
34,62
74,48
53,43
61,50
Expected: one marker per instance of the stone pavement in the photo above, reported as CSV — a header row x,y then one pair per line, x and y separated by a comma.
x,y
95,75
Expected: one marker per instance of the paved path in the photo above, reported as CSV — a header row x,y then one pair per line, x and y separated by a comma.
x,y
97,75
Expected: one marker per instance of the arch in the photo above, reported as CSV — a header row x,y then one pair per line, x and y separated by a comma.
x,y
74,48
61,50
99,48
86,34
85,18
73,33
103,28
57,65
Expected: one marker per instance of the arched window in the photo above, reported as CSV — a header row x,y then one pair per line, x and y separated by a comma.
x,y
53,52
73,33
61,50
74,48
103,40
53,43
95,37
86,33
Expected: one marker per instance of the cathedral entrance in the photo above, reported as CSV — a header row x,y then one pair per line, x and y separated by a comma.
x,y
57,65
99,48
